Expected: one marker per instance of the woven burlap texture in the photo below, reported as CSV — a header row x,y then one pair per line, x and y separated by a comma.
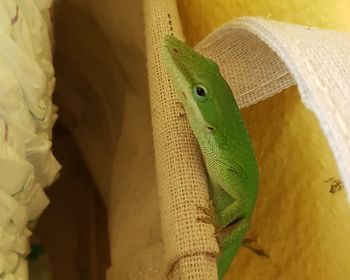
x,y
190,246
259,58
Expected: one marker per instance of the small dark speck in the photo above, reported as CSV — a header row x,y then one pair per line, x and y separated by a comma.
x,y
175,50
335,185
15,18
6,132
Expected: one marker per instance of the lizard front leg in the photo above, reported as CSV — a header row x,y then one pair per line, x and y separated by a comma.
x,y
232,217
229,193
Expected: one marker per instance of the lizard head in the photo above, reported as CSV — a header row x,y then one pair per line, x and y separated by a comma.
x,y
202,90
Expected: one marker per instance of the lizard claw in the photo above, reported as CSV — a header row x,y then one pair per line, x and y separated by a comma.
x,y
208,215
181,110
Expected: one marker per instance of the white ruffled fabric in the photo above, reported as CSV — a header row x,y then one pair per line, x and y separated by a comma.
x,y
27,115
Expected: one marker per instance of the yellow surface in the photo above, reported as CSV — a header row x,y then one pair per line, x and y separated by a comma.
x,y
202,16
303,228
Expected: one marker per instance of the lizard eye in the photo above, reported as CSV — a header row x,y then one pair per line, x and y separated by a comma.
x,y
200,92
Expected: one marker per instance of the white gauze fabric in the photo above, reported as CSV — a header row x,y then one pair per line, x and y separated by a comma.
x,y
27,115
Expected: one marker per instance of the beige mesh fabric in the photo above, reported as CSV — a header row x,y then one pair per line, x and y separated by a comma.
x,y
190,245
258,58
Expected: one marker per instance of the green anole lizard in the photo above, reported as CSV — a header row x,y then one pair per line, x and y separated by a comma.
x,y
226,148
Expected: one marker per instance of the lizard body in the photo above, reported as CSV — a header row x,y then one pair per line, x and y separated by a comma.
x,y
226,148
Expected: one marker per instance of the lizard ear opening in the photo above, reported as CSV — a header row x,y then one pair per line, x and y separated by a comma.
x,y
210,128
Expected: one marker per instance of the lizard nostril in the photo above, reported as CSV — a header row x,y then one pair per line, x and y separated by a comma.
x,y
175,50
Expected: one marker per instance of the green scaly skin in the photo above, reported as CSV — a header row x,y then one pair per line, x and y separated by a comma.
x,y
223,139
